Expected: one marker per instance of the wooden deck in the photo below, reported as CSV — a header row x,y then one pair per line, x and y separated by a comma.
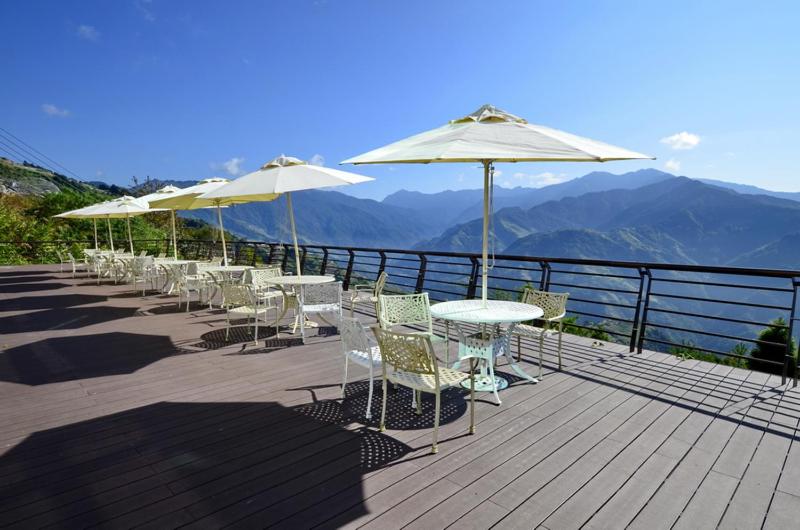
x,y
121,411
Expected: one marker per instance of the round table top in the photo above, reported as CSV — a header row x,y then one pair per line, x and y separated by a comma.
x,y
494,312
305,279
167,261
226,268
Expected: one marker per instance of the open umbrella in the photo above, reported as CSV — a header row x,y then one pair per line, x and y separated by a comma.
x,y
491,135
284,174
190,199
122,207
78,214
162,193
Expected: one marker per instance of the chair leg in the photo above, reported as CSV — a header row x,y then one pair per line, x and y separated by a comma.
x,y
227,326
344,378
255,330
494,381
447,342
519,348
382,426
472,396
559,345
435,447
418,395
369,397
541,352
413,398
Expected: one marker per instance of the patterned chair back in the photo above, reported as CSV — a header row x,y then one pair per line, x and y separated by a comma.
x,y
322,294
554,305
354,336
406,353
237,295
404,310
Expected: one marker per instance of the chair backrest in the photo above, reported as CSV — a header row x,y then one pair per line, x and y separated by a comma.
x,y
237,295
404,310
70,257
322,293
380,283
554,305
142,253
258,277
406,352
354,337
215,261
162,255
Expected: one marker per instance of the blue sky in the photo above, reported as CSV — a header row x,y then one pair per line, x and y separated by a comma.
x,y
189,89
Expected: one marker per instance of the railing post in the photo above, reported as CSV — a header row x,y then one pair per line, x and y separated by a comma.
x,y
382,265
271,254
638,311
349,272
324,261
544,280
790,358
472,286
643,320
423,265
255,254
303,252
285,258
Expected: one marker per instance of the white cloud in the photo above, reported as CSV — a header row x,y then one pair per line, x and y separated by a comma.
x,y
52,110
672,165
317,160
539,180
682,141
143,6
88,33
232,167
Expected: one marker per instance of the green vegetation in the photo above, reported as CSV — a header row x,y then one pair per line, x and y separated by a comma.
x,y
593,330
773,348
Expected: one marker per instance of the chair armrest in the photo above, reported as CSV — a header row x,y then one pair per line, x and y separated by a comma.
x,y
363,288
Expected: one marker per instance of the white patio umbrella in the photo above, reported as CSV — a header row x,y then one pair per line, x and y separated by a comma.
x,y
122,207
162,193
190,199
491,135
284,174
78,214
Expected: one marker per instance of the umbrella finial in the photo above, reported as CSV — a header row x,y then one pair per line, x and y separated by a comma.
x,y
284,161
489,114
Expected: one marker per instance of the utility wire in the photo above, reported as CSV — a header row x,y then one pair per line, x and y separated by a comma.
x,y
21,141
10,149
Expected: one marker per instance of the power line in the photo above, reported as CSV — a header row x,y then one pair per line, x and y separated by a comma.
x,y
23,154
10,149
20,140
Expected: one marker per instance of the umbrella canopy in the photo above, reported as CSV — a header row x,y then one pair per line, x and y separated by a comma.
x,y
122,207
78,214
162,193
283,174
190,199
491,135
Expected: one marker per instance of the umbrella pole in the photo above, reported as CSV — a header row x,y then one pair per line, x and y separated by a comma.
x,y
174,239
94,222
110,237
130,237
294,234
485,256
222,236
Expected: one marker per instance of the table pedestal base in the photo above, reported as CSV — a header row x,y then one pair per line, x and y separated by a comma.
x,y
483,383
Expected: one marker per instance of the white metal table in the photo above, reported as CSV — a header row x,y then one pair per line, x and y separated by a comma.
x,y
492,341
299,281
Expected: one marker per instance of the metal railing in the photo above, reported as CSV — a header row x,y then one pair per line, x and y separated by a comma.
x,y
688,310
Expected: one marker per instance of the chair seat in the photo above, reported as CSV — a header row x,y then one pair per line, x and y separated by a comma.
x,y
363,297
321,308
363,358
526,330
249,310
434,338
426,382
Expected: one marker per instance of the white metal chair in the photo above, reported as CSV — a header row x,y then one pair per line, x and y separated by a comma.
x,y
186,284
320,299
554,306
408,360
77,266
358,349
240,301
142,270
368,294
396,310
63,260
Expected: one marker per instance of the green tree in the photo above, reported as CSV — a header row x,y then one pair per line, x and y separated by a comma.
x,y
772,347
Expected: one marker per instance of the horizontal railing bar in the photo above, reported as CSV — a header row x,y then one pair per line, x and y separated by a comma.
x,y
730,285
725,319
711,300
712,334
